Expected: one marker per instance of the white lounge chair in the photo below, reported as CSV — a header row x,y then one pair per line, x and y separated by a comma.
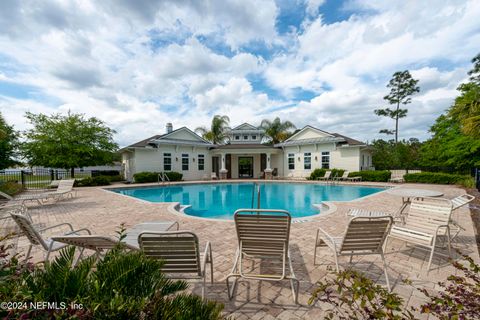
x,y
344,176
96,243
33,234
64,190
179,250
263,234
355,212
427,219
354,179
363,236
326,177
397,176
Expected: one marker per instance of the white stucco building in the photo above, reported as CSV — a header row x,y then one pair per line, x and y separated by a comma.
x,y
245,156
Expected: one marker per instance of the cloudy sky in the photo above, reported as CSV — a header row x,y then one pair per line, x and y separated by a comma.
x,y
139,64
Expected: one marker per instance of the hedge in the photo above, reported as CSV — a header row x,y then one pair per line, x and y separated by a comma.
x,y
10,187
378,176
142,177
439,178
93,181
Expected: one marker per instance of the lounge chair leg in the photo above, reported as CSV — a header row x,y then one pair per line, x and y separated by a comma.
x,y
386,273
449,242
231,291
336,262
204,284
431,258
351,257
28,253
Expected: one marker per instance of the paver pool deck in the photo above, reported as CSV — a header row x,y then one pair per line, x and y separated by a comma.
x,y
103,211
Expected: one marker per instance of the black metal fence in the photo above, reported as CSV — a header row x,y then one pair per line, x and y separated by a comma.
x,y
40,178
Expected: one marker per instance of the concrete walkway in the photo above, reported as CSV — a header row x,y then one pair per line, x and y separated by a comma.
x,y
103,211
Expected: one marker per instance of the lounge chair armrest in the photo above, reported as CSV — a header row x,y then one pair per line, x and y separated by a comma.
x,y
56,226
76,231
327,236
443,226
173,225
206,254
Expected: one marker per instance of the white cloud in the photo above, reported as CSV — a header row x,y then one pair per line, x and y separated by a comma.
x,y
140,64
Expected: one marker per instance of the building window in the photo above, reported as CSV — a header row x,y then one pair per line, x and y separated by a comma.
x,y
184,161
291,161
245,137
326,160
201,162
254,137
167,162
307,161
237,137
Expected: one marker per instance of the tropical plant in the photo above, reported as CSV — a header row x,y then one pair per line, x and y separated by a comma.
x,y
122,285
8,144
218,132
277,131
68,141
402,87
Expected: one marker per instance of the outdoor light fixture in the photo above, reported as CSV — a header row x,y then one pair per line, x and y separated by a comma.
x,y
316,158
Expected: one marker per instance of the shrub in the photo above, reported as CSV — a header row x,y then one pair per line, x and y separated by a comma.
x,y
317,173
378,176
93,182
122,285
96,173
174,176
10,187
437,178
115,178
142,177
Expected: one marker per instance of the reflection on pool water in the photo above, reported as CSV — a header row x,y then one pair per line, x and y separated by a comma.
x,y
220,200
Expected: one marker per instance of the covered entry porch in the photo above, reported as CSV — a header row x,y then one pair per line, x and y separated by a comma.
x,y
246,161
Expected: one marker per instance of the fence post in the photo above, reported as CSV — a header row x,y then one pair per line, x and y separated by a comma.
x,y
52,177
22,178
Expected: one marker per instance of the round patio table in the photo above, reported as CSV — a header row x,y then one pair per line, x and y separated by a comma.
x,y
408,193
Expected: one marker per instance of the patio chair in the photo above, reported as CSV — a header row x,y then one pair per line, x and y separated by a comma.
x,y
355,212
427,219
35,237
179,250
38,197
64,190
213,176
457,203
326,177
363,236
344,176
397,176
354,179
264,234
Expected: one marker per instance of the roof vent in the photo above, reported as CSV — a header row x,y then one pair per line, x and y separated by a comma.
x,y
169,127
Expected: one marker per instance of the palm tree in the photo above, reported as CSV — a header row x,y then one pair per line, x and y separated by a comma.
x,y
218,130
276,130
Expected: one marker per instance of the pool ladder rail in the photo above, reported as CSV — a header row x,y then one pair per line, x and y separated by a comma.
x,y
162,177
256,187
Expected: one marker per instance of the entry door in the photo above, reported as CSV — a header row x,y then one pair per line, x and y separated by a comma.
x,y
245,167
216,166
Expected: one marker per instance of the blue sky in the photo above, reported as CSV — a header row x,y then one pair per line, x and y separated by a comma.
x,y
137,65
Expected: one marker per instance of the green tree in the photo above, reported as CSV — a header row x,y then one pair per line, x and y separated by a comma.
x,y
8,144
218,132
68,141
390,155
402,87
276,130
466,108
449,147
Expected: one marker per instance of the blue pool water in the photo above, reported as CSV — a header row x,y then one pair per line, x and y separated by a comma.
x,y
220,200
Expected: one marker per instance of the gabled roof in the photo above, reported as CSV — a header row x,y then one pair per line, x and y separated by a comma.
x,y
167,139
323,137
245,126
308,127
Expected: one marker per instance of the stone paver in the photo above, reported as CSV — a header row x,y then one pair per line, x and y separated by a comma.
x,y
103,211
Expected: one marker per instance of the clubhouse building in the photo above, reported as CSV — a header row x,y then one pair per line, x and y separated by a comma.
x,y
245,155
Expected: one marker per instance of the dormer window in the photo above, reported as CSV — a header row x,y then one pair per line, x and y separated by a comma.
x,y
237,137
245,137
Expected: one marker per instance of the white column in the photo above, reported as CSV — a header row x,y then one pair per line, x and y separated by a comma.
x,y
223,162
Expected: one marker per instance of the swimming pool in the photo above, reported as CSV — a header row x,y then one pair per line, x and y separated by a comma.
x,y
220,200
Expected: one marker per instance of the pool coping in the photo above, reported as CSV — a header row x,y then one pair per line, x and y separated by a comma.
x,y
175,207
